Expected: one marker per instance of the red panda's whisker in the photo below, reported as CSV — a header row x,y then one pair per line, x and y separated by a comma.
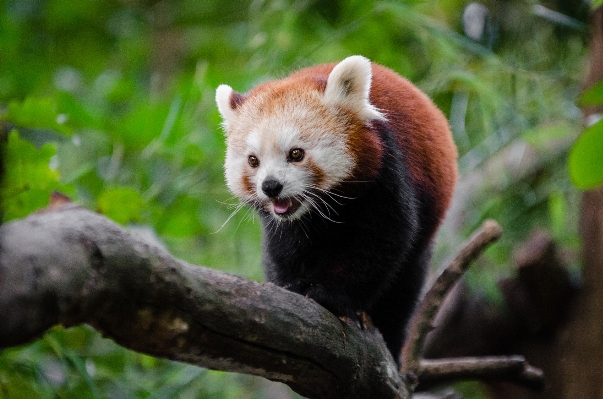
x,y
325,192
331,192
317,208
303,227
318,197
239,206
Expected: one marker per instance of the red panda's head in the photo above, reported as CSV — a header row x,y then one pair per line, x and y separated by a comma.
x,y
291,141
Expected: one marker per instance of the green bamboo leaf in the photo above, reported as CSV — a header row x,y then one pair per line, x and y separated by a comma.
x,y
586,158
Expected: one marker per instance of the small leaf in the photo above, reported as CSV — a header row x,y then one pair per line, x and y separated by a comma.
x,y
180,219
586,158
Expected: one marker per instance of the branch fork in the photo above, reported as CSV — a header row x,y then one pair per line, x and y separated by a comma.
x,y
427,372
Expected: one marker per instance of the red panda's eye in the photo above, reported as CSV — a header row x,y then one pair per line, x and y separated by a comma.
x,y
296,155
254,162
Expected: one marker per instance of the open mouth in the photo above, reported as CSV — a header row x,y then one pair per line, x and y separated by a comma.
x,y
285,206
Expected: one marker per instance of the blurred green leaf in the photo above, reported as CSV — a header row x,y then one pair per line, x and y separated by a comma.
x,y
586,158
558,210
122,204
180,219
594,95
37,113
29,180
539,136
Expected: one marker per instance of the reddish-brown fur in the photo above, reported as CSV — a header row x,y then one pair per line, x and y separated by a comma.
x,y
422,131
373,257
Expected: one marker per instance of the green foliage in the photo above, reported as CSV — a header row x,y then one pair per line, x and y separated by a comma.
x,y
593,96
36,113
29,179
112,103
586,158
121,204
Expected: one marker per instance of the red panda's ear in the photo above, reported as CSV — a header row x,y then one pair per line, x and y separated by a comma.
x,y
228,101
349,85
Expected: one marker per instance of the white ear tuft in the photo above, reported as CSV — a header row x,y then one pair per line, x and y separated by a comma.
x,y
349,85
223,100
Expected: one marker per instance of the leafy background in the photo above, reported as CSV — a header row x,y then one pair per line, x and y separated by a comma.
x,y
112,103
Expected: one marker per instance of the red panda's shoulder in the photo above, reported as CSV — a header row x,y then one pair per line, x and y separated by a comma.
x,y
423,134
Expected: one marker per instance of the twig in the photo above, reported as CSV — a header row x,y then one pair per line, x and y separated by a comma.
x,y
427,372
496,368
486,234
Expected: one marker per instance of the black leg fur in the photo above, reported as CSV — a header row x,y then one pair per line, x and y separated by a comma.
x,y
391,314
373,261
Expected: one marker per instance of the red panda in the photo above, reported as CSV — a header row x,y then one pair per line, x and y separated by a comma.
x,y
351,168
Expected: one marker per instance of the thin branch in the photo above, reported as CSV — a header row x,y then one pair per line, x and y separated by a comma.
x,y
496,368
427,372
422,324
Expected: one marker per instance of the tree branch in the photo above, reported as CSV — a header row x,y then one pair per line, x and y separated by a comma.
x,y
71,266
495,368
422,323
426,372
68,265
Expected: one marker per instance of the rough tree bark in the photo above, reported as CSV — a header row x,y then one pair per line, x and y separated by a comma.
x,y
71,266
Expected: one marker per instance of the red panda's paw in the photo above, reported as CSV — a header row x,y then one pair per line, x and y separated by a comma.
x,y
298,286
335,301
362,321
351,322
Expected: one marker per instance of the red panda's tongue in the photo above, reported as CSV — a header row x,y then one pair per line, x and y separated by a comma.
x,y
281,205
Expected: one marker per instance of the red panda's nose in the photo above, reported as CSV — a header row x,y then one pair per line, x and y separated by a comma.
x,y
271,187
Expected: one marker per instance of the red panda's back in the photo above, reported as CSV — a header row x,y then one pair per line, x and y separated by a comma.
x,y
423,134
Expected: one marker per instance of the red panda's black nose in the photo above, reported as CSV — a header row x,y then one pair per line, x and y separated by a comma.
x,y
272,187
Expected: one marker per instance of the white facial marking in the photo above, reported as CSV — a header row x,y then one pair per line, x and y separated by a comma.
x,y
271,136
268,125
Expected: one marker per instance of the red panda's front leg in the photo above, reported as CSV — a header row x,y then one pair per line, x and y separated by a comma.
x,y
335,300
332,298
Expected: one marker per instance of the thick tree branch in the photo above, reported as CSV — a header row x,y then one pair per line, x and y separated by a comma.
x,y
72,266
